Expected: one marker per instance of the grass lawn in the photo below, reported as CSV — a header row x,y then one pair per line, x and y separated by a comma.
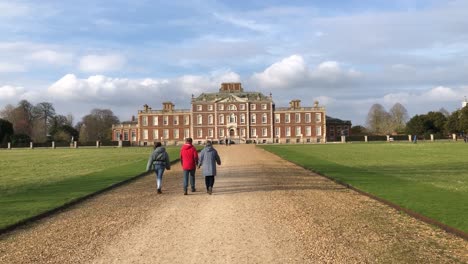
x,y
33,181
428,178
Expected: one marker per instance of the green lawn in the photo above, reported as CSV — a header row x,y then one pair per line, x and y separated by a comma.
x,y
33,181
428,178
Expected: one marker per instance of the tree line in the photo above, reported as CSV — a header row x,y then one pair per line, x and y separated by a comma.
x,y
26,122
396,121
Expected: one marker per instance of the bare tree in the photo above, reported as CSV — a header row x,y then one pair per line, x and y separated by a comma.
x,y
44,111
399,117
378,120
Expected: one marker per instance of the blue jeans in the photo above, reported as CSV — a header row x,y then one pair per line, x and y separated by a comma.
x,y
159,171
186,179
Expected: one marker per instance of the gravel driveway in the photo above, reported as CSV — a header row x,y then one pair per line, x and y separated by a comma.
x,y
263,210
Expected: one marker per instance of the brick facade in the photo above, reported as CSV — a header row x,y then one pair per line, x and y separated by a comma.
x,y
231,113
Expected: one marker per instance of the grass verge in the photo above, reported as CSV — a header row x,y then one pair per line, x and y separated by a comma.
x,y
430,179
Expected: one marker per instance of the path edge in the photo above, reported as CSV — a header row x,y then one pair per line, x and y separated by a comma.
x,y
418,216
23,223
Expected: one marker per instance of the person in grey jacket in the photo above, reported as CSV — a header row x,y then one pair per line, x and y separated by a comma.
x,y
208,159
159,160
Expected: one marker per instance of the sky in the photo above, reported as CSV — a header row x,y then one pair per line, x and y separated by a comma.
x,y
348,55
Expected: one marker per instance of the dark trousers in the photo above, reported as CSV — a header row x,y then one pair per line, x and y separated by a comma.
x,y
209,181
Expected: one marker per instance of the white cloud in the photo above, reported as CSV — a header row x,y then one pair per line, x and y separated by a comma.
x,y
102,63
293,72
10,9
441,94
51,57
283,74
11,68
10,92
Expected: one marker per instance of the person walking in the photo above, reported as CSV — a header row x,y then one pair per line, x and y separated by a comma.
x,y
189,160
208,159
159,161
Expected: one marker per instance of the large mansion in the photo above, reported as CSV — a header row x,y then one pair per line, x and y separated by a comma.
x,y
231,113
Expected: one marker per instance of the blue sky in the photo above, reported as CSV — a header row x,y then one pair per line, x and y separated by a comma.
x,y
348,55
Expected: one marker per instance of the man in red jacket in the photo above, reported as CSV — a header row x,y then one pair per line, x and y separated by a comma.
x,y
189,160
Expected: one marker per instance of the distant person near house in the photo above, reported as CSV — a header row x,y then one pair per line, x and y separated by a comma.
x,y
208,159
189,160
159,161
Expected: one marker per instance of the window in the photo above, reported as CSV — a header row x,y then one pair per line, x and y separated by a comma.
x,y
199,107
133,135
332,128
277,118
308,131
253,106
186,133
117,135
318,117
221,132
176,133
144,120
253,132
242,106
210,132
199,119
264,118
264,107
232,107
155,121
176,120
221,119
318,131
286,118
166,133
145,134
210,119
165,120
277,131
210,107
243,132
187,120
232,118
242,119
264,132
298,131
155,134
253,119
199,133
288,131
307,118
126,135
221,107
298,117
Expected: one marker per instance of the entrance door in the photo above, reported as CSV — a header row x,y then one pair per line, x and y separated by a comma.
x,y
232,132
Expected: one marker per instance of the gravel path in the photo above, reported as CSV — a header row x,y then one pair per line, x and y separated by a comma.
x,y
263,210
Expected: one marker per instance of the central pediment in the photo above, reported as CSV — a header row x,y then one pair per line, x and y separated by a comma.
x,y
231,99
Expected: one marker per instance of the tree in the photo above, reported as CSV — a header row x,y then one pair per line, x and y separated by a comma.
x,y
463,120
430,123
399,117
415,125
378,120
358,130
6,130
44,111
452,124
97,125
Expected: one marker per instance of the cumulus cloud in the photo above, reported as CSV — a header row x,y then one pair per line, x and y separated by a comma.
x,y
293,71
283,74
10,92
102,63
